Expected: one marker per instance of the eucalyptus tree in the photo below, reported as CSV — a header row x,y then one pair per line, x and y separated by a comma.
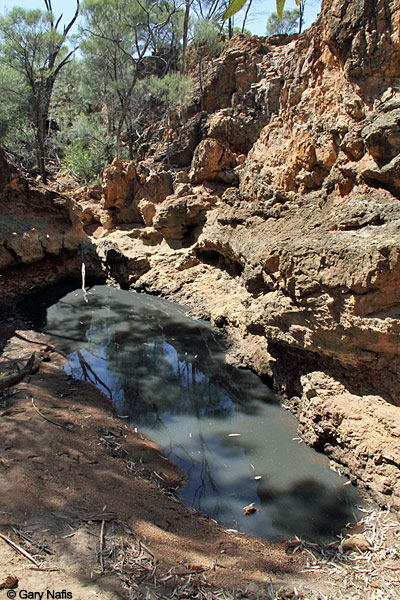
x,y
33,49
119,36
188,4
287,25
236,5
83,141
16,134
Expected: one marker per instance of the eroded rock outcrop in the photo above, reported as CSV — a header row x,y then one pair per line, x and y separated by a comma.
x,y
39,234
275,212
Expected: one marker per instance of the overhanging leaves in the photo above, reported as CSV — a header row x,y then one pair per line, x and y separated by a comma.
x,y
280,5
236,5
233,8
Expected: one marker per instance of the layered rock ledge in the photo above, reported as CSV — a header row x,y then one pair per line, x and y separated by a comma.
x,y
274,211
39,234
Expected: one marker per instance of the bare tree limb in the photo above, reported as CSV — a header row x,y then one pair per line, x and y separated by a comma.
x,y
31,367
50,420
72,21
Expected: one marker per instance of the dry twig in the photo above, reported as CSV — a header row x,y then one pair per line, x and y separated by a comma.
x,y
50,420
102,546
19,549
32,366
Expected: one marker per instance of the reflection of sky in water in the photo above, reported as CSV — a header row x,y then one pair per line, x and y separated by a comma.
x,y
167,374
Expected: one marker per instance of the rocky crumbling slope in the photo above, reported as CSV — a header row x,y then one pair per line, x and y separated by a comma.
x,y
274,211
39,234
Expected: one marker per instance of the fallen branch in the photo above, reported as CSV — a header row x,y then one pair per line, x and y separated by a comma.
x,y
43,569
41,343
104,516
50,420
31,367
20,550
31,541
102,546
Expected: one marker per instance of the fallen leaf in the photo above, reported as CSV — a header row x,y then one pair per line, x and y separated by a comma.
x,y
250,509
9,583
355,542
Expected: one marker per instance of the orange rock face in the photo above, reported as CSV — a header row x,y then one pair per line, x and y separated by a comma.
x,y
295,247
273,209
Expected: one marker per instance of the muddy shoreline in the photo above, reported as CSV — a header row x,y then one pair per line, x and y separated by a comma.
x,y
70,463
87,472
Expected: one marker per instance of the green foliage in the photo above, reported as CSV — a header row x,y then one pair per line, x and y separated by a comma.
x,y
280,5
233,8
246,32
87,147
206,38
15,132
32,54
29,42
83,161
173,89
120,39
287,25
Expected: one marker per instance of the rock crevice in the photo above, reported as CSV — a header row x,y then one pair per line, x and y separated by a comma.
x,y
275,214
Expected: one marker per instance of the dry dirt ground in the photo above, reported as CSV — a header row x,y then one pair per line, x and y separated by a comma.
x,y
92,505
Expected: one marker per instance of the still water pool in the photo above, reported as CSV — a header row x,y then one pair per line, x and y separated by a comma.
x,y
167,374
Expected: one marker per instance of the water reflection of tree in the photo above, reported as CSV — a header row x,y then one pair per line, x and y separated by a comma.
x,y
90,375
320,511
162,365
198,397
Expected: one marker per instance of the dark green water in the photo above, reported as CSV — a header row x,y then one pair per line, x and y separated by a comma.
x,y
221,425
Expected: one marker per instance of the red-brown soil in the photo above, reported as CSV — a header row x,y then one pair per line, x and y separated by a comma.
x,y
70,466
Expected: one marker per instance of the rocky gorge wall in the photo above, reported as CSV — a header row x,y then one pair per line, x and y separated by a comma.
x,y
40,235
273,210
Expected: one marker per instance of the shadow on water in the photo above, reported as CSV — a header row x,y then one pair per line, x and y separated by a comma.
x,y
167,374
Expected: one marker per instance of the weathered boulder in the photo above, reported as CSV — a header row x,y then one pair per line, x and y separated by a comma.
x,y
298,254
211,161
36,225
128,189
179,215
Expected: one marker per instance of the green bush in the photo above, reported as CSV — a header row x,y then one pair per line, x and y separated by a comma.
x,y
87,147
206,38
172,89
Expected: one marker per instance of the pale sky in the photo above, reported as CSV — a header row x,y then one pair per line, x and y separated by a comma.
x,y
261,9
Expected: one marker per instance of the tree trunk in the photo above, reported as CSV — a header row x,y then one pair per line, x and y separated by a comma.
x,y
41,160
124,112
246,15
301,19
185,35
42,125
